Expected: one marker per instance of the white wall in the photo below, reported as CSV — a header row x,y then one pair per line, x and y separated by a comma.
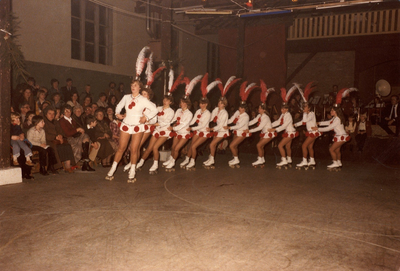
x,y
45,35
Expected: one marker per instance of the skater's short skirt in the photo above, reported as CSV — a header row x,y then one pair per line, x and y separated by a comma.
x,y
163,133
313,134
132,129
341,138
210,134
149,128
290,134
180,135
268,135
241,134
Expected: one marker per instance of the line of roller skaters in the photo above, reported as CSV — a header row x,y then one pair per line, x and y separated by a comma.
x,y
143,119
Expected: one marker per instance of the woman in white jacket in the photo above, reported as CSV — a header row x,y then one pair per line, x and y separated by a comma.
x,y
309,120
132,126
285,123
239,124
263,124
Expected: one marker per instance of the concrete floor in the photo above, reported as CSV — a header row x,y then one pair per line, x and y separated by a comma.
x,y
222,219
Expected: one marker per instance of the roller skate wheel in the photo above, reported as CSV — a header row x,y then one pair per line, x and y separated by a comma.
x,y
305,168
153,172
132,180
298,168
109,178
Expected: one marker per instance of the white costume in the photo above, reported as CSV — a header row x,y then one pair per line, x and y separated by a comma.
x,y
164,118
285,122
202,119
241,122
149,123
135,109
310,121
182,119
220,117
335,125
263,125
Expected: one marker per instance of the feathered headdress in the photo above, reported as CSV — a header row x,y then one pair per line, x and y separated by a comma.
x,y
149,71
264,92
286,95
231,81
205,87
245,91
343,93
307,91
141,61
190,86
172,86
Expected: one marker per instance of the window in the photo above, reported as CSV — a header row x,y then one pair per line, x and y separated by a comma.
x,y
91,32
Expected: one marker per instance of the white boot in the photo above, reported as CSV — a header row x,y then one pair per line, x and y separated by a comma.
x,y
166,162
185,162
210,161
311,162
140,164
263,160
154,167
191,164
289,160
205,162
112,169
132,173
171,164
339,163
235,161
303,163
333,165
283,162
258,162
127,167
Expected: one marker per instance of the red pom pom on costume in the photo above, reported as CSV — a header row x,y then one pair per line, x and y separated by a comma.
x,y
335,139
308,134
160,113
304,123
130,106
209,135
342,138
187,136
201,134
243,134
198,116
125,128
152,127
225,135
156,135
172,134
285,135
197,121
348,138
269,134
162,133
215,119
136,129
292,136
262,135
179,136
119,124
178,118
146,127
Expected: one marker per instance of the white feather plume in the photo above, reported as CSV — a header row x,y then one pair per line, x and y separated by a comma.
x,y
250,86
141,61
347,92
212,85
290,92
171,79
190,86
149,69
229,81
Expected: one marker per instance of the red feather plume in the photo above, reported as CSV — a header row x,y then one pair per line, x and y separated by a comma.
x,y
308,89
230,84
339,96
264,91
283,94
204,83
177,82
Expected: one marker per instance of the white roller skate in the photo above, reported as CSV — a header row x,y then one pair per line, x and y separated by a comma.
x,y
339,163
311,163
282,164
259,163
170,166
127,167
154,168
191,165
205,162
333,167
140,165
303,164
209,164
166,162
185,162
234,163
110,174
289,161
132,173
